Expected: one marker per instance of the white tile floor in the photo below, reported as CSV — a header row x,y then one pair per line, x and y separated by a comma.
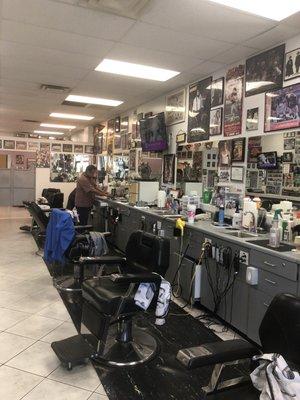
x,y
31,317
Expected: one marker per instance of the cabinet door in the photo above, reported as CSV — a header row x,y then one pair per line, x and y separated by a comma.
x,y
239,311
258,305
183,278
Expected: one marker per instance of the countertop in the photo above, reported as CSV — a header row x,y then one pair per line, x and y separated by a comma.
x,y
208,228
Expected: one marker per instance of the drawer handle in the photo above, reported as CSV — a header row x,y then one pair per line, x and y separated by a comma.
x,y
269,264
266,304
283,264
269,281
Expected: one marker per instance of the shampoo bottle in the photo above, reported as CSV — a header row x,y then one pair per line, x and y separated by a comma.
x,y
274,240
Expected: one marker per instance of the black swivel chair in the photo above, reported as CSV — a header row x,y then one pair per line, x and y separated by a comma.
x,y
54,196
279,332
107,332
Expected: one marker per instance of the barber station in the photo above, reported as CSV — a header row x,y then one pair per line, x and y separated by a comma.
x,y
150,200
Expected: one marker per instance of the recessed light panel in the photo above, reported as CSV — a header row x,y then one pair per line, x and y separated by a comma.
x,y
94,100
276,9
71,116
46,125
135,70
48,132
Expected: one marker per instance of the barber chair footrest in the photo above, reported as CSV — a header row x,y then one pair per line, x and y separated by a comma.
x,y
72,351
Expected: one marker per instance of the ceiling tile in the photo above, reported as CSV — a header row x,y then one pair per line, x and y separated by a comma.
x,y
273,37
162,39
236,53
51,39
207,68
66,17
204,18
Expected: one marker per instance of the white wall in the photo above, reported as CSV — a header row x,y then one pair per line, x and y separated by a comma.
x,y
42,181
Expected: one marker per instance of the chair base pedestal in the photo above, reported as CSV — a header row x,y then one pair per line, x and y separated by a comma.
x,y
141,348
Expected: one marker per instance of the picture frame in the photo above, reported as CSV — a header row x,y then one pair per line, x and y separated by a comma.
x,y
289,143
252,119
89,149
117,124
33,146
237,174
169,168
9,144
216,121
224,153
233,106
238,150
292,64
217,92
21,145
44,146
264,68
56,147
175,107
67,148
180,137
199,110
287,157
281,109
78,148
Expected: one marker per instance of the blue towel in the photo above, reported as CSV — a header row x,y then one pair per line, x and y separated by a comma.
x,y
59,235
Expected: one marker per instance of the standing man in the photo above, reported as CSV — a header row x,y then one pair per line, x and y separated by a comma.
x,y
86,190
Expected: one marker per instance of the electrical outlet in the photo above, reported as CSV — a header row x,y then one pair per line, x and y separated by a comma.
x,y
244,257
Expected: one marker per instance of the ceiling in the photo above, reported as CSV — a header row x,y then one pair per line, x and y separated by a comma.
x,y
60,42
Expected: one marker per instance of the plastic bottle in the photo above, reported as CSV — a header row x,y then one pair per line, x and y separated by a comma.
x,y
274,240
191,211
221,215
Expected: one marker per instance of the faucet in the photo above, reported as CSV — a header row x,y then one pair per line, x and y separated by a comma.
x,y
253,222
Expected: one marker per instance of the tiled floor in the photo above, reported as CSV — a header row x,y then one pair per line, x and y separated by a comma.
x,y
31,317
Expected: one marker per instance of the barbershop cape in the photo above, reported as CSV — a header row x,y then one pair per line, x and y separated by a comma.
x,y
59,235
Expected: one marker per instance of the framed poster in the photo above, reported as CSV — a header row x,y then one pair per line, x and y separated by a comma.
x,y
117,124
110,136
98,138
31,161
234,87
9,144
169,168
238,150
44,146
56,147
124,132
67,148
43,158
21,145
199,111
175,107
216,121
252,119
33,146
292,64
20,160
78,148
225,151
287,157
264,71
217,92
282,108
0,143
88,149
237,174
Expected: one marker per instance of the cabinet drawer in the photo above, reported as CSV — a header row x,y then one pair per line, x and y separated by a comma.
x,y
274,264
273,284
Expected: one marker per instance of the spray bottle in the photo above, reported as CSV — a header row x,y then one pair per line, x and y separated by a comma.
x,y
274,240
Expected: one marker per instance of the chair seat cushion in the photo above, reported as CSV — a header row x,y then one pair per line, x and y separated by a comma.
x,y
108,297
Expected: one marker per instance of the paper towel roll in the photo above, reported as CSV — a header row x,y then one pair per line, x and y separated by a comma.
x,y
161,199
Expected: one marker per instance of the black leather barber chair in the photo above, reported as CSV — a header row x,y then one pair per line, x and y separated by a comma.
x,y
279,332
54,196
39,224
107,332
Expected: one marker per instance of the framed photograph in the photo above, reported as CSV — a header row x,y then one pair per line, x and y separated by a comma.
x,y
287,157
292,64
238,150
282,108
44,146
31,162
224,155
21,145
110,136
67,148
169,168
217,92
180,137
56,147
234,89
216,120
264,71
237,174
43,158
33,146
289,144
124,125
224,174
175,107
199,111
252,119
117,124
0,143
88,149
20,159
9,144
78,148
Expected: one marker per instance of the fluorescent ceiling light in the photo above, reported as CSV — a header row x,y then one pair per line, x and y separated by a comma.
x,y
48,133
135,70
93,100
276,10
71,116
58,126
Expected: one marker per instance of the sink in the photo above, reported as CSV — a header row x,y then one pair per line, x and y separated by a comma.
x,y
241,234
265,243
165,213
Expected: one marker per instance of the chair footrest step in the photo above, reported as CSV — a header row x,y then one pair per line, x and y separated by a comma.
x,y
72,350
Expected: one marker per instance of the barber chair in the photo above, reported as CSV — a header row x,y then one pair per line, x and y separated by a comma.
x,y
279,332
107,332
39,224
54,196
